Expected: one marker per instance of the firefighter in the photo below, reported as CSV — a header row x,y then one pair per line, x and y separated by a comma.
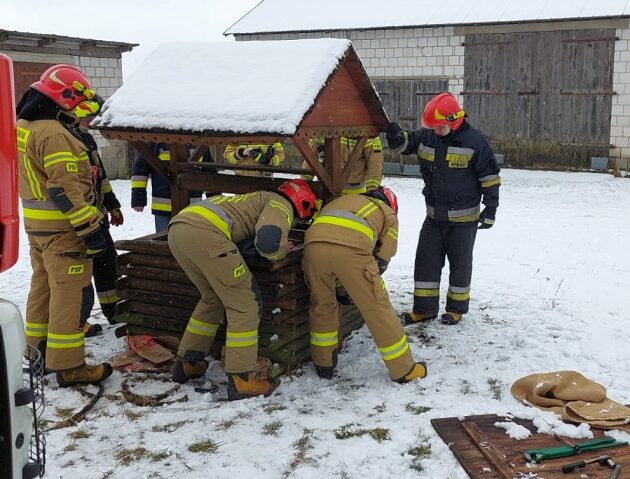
x,y
203,239
459,170
252,155
353,239
141,171
104,266
365,174
61,221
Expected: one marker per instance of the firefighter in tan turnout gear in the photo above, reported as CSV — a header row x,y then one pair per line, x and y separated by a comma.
x,y
365,173
254,155
61,221
353,239
203,239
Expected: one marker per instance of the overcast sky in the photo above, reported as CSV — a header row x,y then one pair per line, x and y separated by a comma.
x,y
147,22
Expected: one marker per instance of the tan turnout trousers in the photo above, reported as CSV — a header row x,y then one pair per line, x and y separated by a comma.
x,y
215,266
323,263
60,274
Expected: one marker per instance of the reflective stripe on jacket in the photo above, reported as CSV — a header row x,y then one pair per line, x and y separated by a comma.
x,y
54,179
359,222
458,170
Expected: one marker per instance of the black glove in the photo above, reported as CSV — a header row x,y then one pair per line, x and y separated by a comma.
x,y
248,250
394,134
382,265
95,243
486,218
255,154
269,154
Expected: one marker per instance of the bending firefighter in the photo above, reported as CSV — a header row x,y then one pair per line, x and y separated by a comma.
x,y
353,239
459,169
203,238
61,221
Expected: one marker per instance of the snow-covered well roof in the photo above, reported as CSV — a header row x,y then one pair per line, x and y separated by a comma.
x,y
237,87
315,15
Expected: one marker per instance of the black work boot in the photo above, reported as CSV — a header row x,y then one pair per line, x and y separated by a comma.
x,y
184,370
450,318
412,317
91,330
327,372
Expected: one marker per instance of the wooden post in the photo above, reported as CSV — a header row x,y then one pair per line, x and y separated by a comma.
x,y
179,196
311,158
333,162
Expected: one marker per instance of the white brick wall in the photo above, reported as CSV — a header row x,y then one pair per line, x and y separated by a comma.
x,y
620,117
105,75
400,53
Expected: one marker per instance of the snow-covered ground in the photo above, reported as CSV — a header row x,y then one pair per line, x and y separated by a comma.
x,y
550,292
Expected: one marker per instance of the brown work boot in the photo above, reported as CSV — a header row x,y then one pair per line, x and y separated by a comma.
x,y
451,318
247,385
184,370
84,374
415,318
418,371
91,330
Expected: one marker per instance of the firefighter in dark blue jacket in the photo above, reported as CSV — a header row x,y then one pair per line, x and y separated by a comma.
x,y
141,171
459,170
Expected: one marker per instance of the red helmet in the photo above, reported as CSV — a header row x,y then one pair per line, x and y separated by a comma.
x,y
300,195
392,200
443,109
387,196
65,85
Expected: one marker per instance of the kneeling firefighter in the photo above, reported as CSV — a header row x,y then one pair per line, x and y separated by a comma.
x,y
203,238
352,240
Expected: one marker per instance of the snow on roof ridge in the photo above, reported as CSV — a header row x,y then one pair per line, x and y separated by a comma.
x,y
243,87
308,15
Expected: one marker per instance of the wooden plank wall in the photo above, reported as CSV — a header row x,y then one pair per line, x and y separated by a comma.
x,y
404,100
544,98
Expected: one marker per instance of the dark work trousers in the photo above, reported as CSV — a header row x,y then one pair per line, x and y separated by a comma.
x,y
105,276
437,241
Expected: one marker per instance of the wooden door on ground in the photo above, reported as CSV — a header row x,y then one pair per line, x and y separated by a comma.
x,y
544,98
404,100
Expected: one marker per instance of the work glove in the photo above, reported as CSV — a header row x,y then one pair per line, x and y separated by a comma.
x,y
486,218
382,265
394,134
268,156
248,250
116,217
96,244
255,153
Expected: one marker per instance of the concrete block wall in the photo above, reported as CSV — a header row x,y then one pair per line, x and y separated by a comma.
x,y
399,53
105,75
620,117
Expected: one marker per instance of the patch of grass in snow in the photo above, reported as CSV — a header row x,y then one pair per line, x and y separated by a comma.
x,y
159,456
379,408
107,475
207,447
171,427
416,409
347,431
271,428
226,424
466,387
273,407
420,451
70,447
127,456
133,415
79,434
496,387
301,446
64,412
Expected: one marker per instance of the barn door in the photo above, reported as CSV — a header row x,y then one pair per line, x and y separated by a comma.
x,y
26,74
404,100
